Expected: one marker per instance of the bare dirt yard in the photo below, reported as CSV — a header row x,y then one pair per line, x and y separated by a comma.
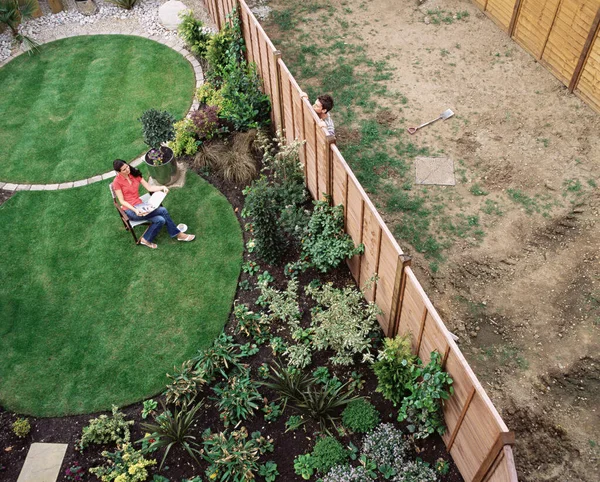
x,y
511,257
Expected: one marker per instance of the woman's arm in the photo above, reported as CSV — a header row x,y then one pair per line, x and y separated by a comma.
x,y
119,194
150,188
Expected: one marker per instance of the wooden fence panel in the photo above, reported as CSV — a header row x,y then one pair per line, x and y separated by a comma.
x,y
476,438
567,37
310,135
370,259
500,11
588,86
413,312
388,266
480,3
534,23
434,337
503,469
354,222
340,181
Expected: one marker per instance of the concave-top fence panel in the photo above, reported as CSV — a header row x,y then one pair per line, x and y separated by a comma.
x,y
477,438
561,34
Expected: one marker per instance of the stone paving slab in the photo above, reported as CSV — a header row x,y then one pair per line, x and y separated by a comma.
x,y
23,187
38,187
42,463
65,185
434,170
80,183
94,179
51,187
9,186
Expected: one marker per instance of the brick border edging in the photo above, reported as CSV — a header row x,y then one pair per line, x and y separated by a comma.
x,y
174,44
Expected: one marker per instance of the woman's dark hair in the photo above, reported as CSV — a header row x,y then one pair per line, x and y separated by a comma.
x,y
119,163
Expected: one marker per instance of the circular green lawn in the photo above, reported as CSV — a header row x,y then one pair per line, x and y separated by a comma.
x,y
89,319
73,106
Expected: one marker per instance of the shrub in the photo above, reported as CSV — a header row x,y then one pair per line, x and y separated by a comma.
x,y
105,429
224,48
422,409
185,138
207,94
386,447
237,398
304,466
327,453
324,241
171,429
185,385
342,322
21,427
218,358
395,368
262,207
282,305
157,127
193,32
124,4
233,457
251,324
417,471
360,416
347,473
206,122
124,465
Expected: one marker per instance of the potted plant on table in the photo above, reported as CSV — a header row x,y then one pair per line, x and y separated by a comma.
x,y
157,128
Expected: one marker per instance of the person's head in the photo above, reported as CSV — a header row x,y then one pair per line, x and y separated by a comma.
x,y
122,167
323,104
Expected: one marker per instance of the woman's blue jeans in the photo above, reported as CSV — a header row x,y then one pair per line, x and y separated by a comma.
x,y
159,217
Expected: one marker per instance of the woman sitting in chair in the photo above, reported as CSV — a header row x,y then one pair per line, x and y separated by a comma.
x,y
126,186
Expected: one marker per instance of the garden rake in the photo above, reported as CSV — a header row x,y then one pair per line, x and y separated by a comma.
x,y
444,115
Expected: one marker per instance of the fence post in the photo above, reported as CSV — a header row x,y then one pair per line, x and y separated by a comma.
x,y
585,52
398,294
278,93
504,438
513,19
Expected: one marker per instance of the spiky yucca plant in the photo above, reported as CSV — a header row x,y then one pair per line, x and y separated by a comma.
x,y
12,14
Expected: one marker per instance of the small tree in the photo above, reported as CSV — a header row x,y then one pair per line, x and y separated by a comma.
x,y
12,14
157,128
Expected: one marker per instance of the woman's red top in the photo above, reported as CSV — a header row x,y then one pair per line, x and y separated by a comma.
x,y
131,191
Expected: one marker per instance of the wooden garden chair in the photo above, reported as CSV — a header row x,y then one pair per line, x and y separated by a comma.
x,y
128,223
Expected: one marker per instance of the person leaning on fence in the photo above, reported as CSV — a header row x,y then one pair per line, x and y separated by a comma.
x,y
322,106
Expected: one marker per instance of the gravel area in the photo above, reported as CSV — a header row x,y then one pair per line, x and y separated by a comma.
x,y
141,19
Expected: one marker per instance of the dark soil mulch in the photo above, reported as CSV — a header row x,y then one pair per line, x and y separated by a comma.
x,y
287,446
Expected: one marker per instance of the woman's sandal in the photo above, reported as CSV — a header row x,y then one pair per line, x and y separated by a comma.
x,y
187,237
146,243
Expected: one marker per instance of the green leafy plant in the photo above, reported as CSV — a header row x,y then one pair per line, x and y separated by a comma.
x,y
343,322
268,471
149,407
251,324
347,473
360,416
237,398
422,409
157,128
294,422
219,358
105,429
173,428
262,206
234,457
325,242
327,453
415,471
185,385
124,4
289,383
272,411
395,368
278,345
185,141
304,466
263,371
386,447
12,13
250,267
21,427
442,466
124,465
193,32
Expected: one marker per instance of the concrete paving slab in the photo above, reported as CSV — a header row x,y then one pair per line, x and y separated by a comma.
x,y
80,183
2,184
38,187
109,175
50,187
42,463
9,186
23,187
434,170
94,179
65,185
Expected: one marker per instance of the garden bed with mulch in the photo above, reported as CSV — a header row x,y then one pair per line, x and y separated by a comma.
x,y
287,446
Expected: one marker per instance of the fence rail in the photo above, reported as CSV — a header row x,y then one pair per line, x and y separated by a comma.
x,y
563,35
477,438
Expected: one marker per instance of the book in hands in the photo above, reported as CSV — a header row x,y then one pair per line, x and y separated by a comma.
x,y
153,202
